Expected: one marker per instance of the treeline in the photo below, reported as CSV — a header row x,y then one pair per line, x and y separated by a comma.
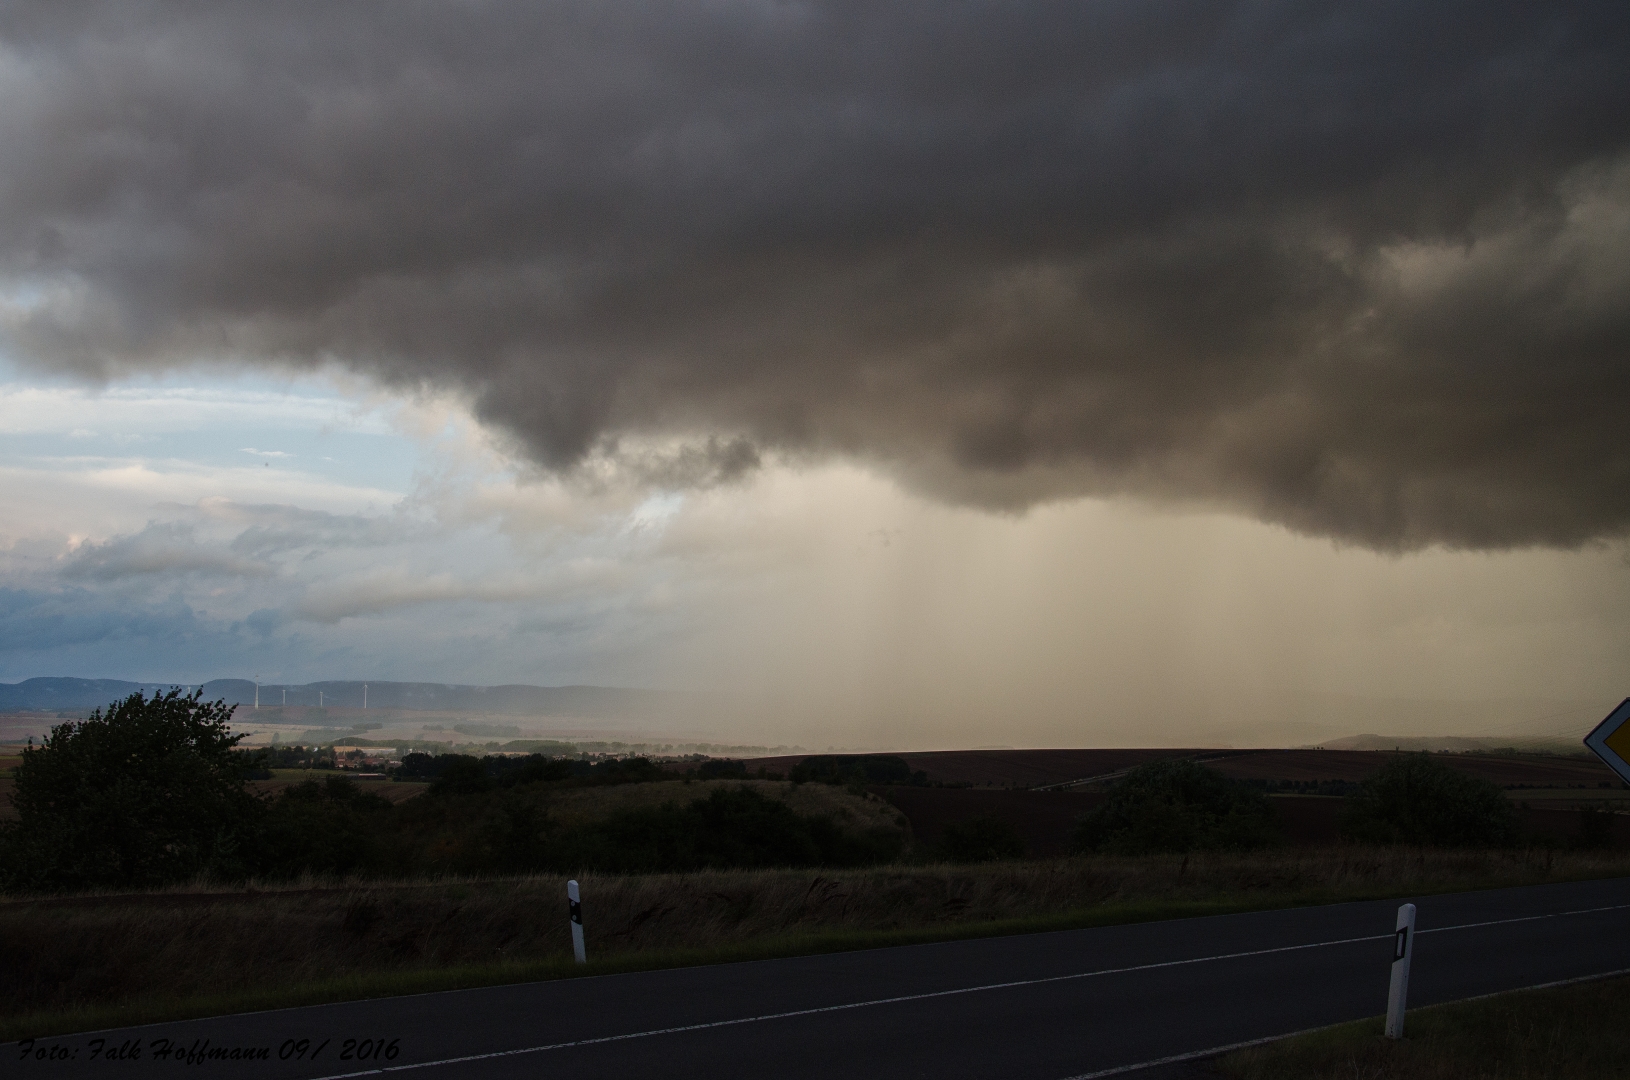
x,y
153,792
1416,800
464,774
857,770
337,827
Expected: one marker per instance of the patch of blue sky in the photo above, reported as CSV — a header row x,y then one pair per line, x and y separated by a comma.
x,y
211,421
379,462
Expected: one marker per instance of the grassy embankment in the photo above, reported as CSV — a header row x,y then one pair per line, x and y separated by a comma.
x,y
75,964
1565,1033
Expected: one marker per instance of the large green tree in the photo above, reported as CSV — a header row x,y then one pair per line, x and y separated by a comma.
x,y
150,792
1416,799
1177,806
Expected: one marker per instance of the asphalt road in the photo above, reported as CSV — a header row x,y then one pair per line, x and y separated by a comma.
x,y
1048,1006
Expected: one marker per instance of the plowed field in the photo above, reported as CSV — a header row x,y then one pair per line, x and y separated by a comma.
x,y
1008,768
1507,771
1034,768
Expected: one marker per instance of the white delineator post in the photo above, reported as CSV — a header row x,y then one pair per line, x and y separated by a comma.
x,y
1403,948
575,903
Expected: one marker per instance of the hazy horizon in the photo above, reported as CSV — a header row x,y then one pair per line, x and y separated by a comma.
x,y
656,715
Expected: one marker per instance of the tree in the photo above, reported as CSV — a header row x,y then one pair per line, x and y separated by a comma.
x,y
148,793
856,770
1176,806
332,828
1416,799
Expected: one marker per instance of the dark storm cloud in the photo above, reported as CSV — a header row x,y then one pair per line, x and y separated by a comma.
x,y
1360,269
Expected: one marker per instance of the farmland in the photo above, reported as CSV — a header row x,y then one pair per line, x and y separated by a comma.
x,y
1006,768
393,791
1548,788
970,783
1534,770
1036,768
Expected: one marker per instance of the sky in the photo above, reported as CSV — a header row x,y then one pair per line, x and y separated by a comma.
x,y
912,375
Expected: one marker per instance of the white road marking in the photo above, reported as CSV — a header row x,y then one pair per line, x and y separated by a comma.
x,y
1524,918
492,1055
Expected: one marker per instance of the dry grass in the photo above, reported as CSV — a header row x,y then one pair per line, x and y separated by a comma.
x,y
66,954
1566,1033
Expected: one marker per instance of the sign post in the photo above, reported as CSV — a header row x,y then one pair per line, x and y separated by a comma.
x,y
575,907
1611,740
1403,950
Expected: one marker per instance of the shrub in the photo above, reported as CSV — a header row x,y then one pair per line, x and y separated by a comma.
x,y
462,774
1176,806
504,831
732,827
856,769
328,827
1595,829
1416,799
982,839
149,793
631,770
298,757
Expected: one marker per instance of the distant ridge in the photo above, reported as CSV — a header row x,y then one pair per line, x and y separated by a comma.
x,y
512,700
68,694
1460,744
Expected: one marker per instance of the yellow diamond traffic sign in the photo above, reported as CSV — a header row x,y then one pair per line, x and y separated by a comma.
x,y
1611,740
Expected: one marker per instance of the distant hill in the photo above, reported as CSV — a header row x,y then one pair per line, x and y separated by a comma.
x,y
72,695
590,702
1459,743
